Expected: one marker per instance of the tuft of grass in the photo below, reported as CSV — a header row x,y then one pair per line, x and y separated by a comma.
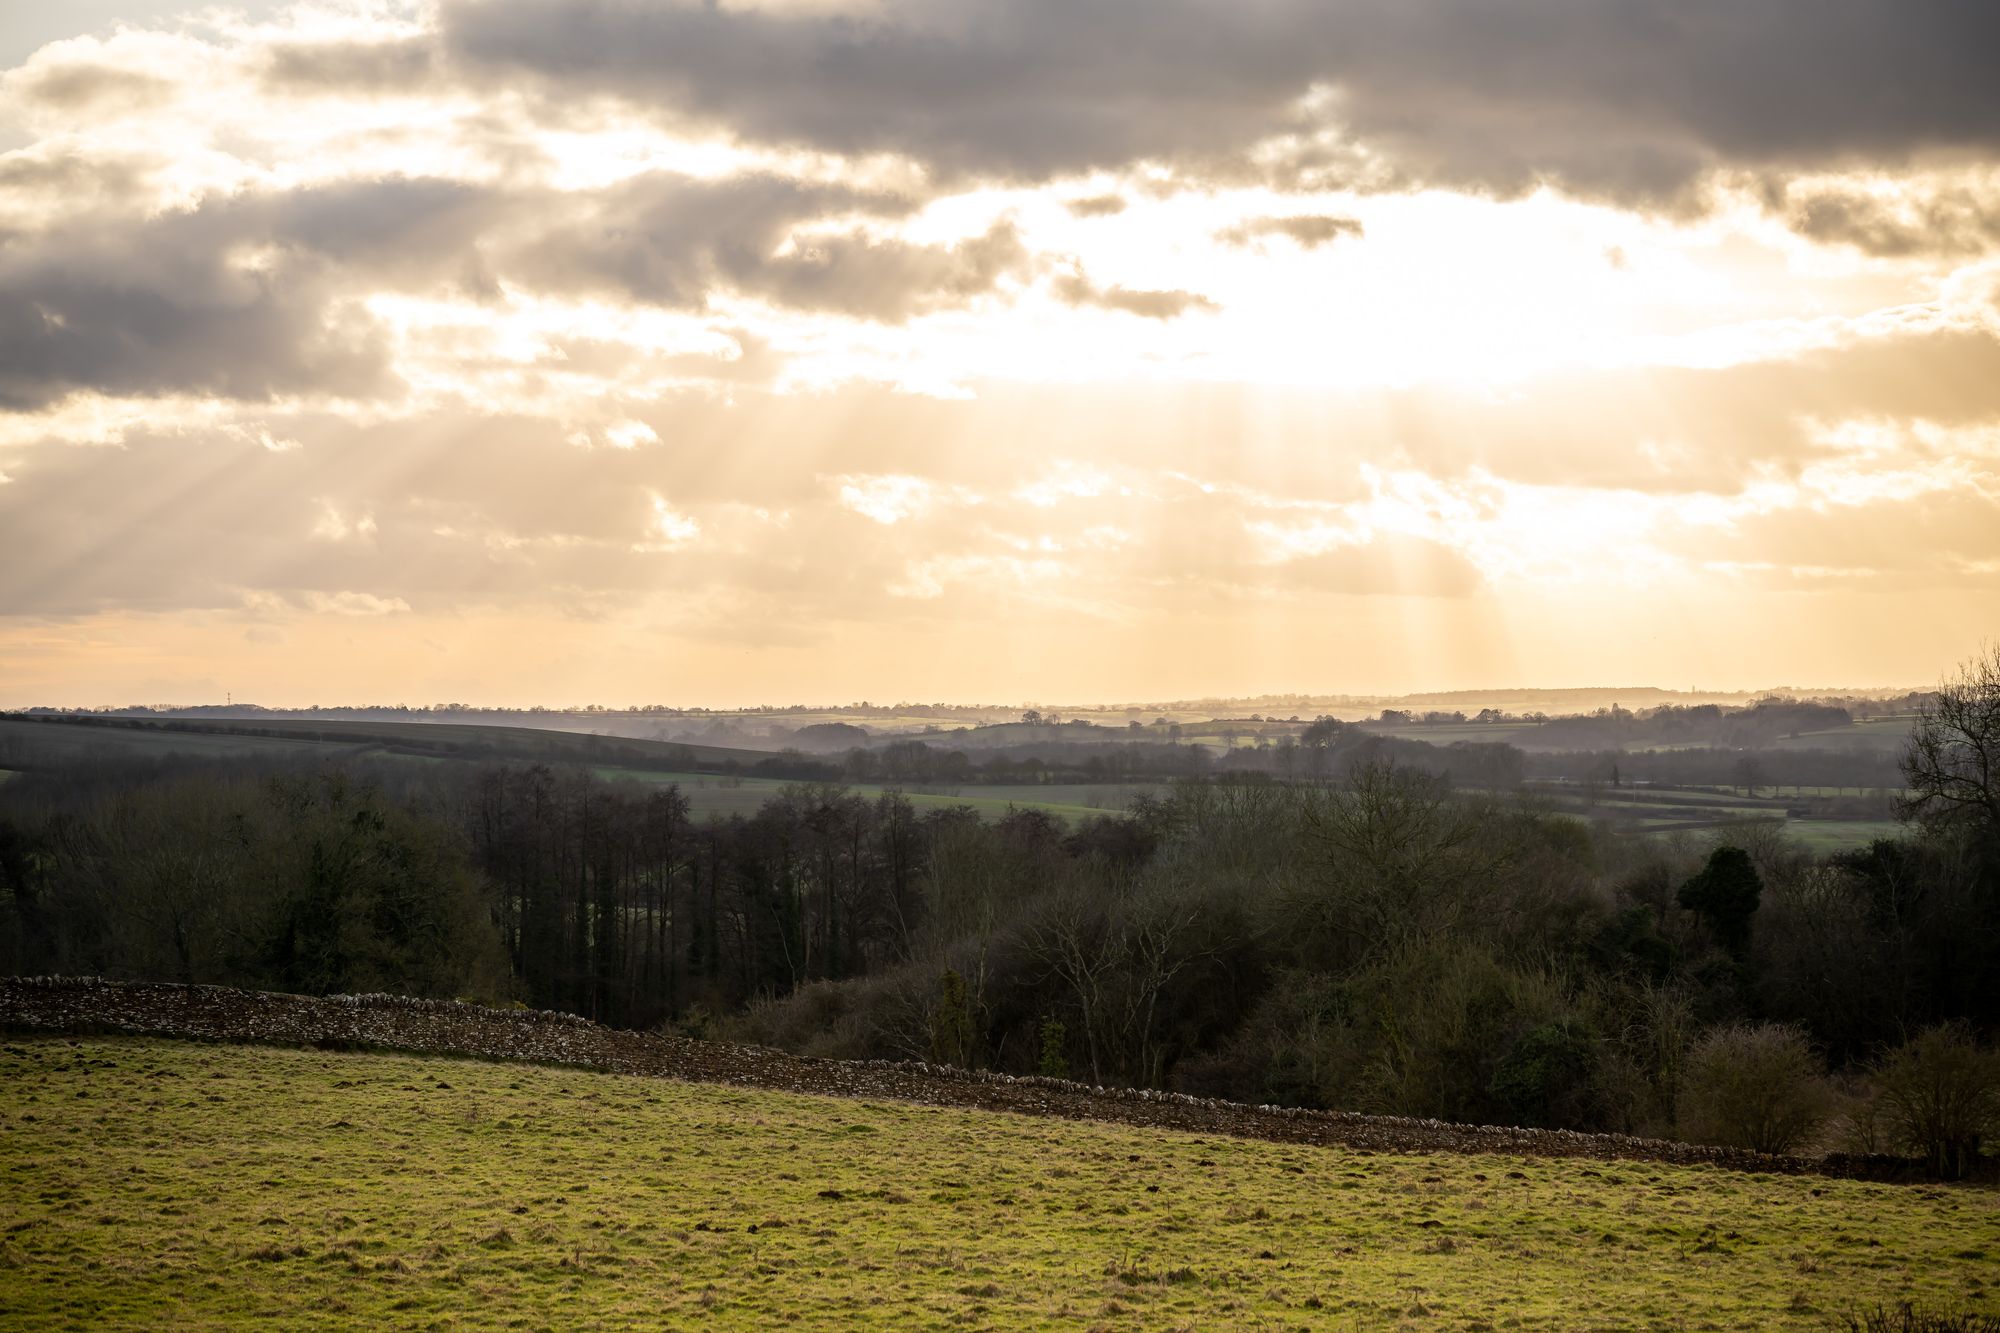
x,y
354,1186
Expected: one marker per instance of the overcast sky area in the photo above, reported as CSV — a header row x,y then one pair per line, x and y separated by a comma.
x,y
550,351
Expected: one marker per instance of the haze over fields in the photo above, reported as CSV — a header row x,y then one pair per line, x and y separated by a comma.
x,y
538,351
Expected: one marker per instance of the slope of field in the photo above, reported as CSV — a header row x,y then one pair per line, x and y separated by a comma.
x,y
35,742
709,795
1666,811
1886,734
154,1183
66,740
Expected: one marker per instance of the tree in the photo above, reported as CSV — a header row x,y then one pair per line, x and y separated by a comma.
x,y
1321,732
1943,1096
1725,895
953,1041
1545,1077
1951,763
1753,1087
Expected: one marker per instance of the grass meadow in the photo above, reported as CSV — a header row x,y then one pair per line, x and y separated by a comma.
x,y
710,794
152,1184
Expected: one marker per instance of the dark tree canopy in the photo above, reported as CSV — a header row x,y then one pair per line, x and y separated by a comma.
x,y
1725,895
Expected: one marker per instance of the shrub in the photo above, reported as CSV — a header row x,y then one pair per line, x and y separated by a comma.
x,y
1055,1045
1756,1087
1860,1124
1941,1093
952,1038
1546,1077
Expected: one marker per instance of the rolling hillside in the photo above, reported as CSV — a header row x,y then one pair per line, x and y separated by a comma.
x,y
70,737
154,1183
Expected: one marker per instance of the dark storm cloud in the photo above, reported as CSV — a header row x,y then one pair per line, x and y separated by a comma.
x,y
1628,98
1309,232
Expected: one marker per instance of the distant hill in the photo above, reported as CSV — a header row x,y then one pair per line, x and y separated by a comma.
x,y
22,737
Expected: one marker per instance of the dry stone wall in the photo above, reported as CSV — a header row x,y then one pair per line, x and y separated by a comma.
x,y
392,1022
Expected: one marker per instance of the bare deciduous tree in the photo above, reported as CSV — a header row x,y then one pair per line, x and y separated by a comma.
x,y
1951,764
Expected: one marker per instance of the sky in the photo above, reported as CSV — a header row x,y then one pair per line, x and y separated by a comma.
x,y
761,351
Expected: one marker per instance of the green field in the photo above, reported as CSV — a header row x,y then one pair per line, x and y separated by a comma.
x,y
1841,835
1875,733
24,741
1650,810
155,1184
1445,733
709,794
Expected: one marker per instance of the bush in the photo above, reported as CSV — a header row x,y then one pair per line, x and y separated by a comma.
x,y
1941,1093
952,1040
1753,1087
1054,1061
1546,1077
1860,1123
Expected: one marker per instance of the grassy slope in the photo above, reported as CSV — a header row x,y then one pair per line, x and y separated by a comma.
x,y
69,740
1876,733
707,795
149,1183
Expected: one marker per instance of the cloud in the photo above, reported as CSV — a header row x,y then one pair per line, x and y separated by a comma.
x,y
887,499
82,87
347,603
671,530
887,280
72,320
1891,221
1076,289
1387,565
1096,206
1632,100
673,240
245,296
1308,231
260,294
391,66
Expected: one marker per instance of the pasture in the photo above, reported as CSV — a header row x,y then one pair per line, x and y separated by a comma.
x,y
154,1183
713,794
26,742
